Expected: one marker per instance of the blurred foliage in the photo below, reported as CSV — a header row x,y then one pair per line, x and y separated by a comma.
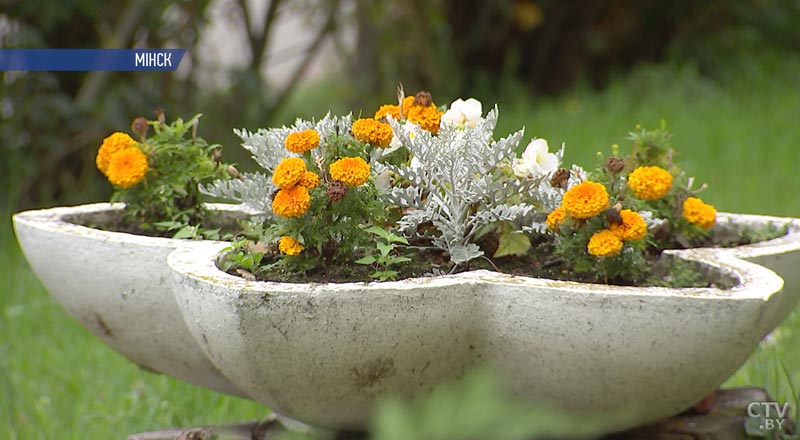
x,y
52,122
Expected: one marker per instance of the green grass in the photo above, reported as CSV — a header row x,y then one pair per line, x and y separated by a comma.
x,y
738,134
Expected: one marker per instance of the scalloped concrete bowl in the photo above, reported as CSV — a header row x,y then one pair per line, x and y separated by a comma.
x,y
117,285
324,353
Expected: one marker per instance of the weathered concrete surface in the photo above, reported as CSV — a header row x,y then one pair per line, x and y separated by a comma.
x,y
323,353
117,286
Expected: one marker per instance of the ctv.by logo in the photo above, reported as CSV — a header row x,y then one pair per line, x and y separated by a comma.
x,y
771,415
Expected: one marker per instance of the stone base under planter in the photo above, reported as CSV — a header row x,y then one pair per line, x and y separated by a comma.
x,y
724,422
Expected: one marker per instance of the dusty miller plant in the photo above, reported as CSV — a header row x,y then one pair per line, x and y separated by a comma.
x,y
266,147
458,185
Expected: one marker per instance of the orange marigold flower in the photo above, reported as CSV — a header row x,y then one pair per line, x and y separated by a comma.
x,y
369,130
388,110
408,102
302,141
291,202
604,244
309,180
650,183
585,200
699,213
290,246
127,167
112,144
428,118
288,172
353,171
555,218
633,226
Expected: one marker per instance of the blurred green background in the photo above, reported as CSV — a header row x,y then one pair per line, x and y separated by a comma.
x,y
724,75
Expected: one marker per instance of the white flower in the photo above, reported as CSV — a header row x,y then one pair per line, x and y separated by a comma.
x,y
463,113
536,160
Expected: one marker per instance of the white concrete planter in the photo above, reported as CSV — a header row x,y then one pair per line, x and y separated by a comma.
x,y
118,286
324,353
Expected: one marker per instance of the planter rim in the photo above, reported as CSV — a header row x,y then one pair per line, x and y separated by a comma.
x,y
754,282
786,243
56,220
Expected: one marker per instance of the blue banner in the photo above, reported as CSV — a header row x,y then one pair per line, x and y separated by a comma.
x,y
90,59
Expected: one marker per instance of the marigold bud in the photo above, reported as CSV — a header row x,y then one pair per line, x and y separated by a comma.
x,y
615,165
336,190
140,127
234,172
160,117
560,178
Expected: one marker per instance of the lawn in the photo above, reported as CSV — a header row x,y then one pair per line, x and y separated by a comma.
x,y
737,133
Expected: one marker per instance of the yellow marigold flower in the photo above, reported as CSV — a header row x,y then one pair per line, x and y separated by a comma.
x,y
388,110
650,183
699,213
555,218
426,117
291,202
633,226
290,246
604,244
112,144
309,180
353,171
288,172
127,167
585,200
369,130
302,141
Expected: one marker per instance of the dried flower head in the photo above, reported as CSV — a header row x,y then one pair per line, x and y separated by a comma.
x,y
140,127
650,183
336,190
560,178
699,213
301,141
127,167
585,200
423,99
615,165
632,227
309,180
291,202
288,172
353,171
604,244
369,130
111,145
290,246
555,218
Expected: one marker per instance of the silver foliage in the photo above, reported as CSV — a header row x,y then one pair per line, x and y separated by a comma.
x,y
254,191
266,146
457,184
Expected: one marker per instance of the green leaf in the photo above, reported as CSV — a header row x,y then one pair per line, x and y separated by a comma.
x,y
384,248
398,260
377,230
512,243
392,238
369,259
186,232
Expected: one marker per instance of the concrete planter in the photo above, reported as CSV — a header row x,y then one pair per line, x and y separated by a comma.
x,y
324,353
118,286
